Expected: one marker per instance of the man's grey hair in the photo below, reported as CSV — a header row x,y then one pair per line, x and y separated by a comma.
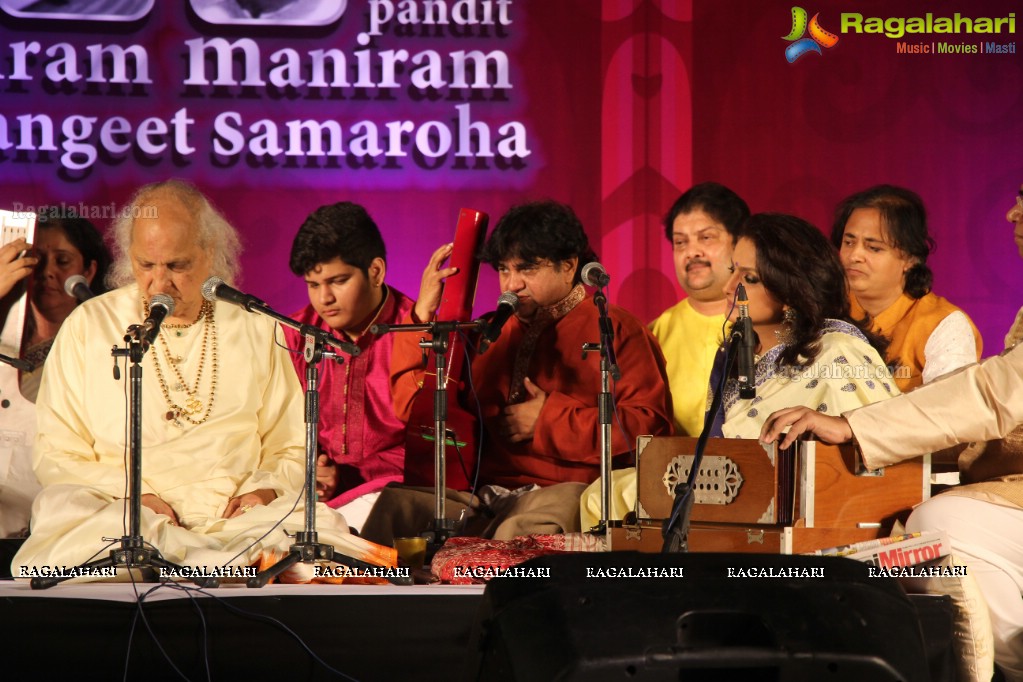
x,y
216,236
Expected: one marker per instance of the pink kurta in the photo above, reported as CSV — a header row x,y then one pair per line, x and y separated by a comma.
x,y
358,429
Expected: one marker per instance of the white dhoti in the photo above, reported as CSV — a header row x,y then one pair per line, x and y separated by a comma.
x,y
243,432
72,522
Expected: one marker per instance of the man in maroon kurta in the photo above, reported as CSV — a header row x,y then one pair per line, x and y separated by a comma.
x,y
340,254
537,393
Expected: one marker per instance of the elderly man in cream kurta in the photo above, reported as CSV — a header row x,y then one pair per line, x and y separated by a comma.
x,y
222,424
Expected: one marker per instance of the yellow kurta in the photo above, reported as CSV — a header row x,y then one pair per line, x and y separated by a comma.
x,y
688,340
253,439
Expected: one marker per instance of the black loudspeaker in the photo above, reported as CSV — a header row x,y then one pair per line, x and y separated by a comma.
x,y
8,548
696,617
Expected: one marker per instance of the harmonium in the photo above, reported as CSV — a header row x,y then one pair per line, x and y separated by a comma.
x,y
751,497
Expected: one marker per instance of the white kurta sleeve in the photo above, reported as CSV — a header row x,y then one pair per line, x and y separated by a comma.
x,y
950,346
977,403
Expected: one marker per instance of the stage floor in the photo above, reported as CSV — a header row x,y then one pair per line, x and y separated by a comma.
x,y
233,632
577,618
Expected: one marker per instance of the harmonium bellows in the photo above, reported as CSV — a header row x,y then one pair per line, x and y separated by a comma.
x,y
757,498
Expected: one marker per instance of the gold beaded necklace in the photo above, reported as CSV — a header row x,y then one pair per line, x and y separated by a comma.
x,y
193,405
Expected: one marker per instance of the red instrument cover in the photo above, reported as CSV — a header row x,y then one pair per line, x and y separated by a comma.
x,y
456,305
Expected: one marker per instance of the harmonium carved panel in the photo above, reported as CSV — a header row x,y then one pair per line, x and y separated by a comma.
x,y
752,497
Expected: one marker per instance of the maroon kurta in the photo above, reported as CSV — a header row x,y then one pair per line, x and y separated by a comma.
x,y
566,442
358,429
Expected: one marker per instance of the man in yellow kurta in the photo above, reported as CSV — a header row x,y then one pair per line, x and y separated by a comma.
x,y
222,425
701,227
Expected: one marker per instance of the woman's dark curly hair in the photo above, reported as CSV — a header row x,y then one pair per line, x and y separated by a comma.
x,y
800,269
905,224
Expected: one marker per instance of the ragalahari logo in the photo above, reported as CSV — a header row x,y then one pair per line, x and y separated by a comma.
x,y
800,45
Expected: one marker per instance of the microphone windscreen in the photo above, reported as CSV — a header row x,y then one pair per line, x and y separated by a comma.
x,y
594,274
508,298
209,288
162,300
73,281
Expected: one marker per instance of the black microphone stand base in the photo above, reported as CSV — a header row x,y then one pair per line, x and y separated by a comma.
x,y
439,532
131,555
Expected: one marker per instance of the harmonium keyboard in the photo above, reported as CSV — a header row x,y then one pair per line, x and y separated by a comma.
x,y
751,497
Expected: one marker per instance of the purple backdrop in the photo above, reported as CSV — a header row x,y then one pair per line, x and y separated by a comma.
x,y
622,104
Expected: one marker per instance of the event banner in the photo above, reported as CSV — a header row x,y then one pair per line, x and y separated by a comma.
x,y
417,108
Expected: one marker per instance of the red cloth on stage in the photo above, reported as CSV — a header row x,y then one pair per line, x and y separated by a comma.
x,y
358,429
566,441
467,561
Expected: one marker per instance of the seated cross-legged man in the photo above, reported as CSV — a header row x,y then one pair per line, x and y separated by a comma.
x,y
701,226
979,405
221,419
537,393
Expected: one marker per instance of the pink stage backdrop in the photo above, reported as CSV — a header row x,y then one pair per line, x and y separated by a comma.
x,y
799,137
613,106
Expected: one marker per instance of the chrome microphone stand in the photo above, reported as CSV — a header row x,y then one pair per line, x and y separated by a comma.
x,y
441,528
307,548
133,551
605,405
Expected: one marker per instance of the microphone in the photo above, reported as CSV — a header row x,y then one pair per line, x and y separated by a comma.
x,y
595,275
17,363
507,303
76,286
744,329
160,306
215,289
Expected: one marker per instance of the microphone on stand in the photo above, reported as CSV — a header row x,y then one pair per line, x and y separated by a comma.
x,y
743,328
595,275
76,286
215,289
507,304
160,306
